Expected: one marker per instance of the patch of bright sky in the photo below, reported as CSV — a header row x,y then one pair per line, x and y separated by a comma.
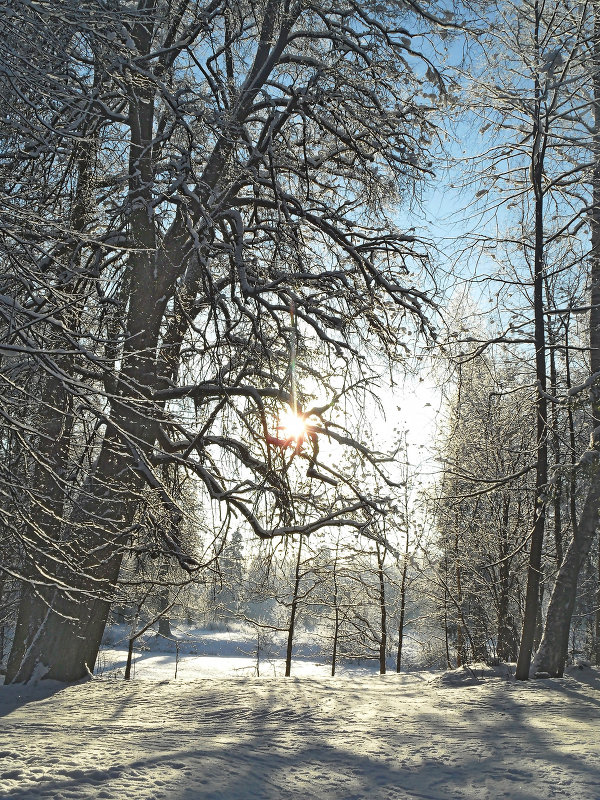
x,y
411,409
451,206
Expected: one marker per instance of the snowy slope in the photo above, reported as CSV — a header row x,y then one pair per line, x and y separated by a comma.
x,y
348,738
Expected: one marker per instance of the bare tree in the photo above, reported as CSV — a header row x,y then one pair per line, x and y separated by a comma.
x,y
480,507
553,650
530,97
198,218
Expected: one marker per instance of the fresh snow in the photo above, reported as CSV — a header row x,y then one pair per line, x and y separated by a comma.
x,y
471,733
231,652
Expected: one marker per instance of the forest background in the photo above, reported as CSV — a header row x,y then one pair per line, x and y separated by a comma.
x,y
218,265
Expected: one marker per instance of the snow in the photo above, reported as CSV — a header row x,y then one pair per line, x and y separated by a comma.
x,y
218,653
218,732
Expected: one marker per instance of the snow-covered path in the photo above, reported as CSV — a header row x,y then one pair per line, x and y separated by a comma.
x,y
382,738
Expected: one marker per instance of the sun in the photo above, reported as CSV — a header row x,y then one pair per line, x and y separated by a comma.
x,y
292,426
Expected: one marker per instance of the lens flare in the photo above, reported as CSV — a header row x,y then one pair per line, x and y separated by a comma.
x,y
292,426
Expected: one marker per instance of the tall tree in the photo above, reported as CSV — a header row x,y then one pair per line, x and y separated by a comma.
x,y
552,653
529,94
199,214
481,504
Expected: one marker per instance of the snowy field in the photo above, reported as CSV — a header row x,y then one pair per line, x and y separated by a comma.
x,y
218,731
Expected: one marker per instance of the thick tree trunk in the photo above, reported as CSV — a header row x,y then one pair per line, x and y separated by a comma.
x,y
534,574
46,514
595,280
59,629
45,521
552,654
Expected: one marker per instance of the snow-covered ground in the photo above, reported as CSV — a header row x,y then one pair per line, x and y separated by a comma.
x,y
220,732
234,651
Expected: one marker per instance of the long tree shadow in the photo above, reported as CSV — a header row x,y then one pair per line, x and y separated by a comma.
x,y
313,769
585,676
252,771
284,741
17,695
515,738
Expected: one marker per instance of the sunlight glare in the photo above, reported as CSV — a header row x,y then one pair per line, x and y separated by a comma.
x,y
292,426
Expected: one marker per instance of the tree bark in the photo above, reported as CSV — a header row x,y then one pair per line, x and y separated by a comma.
x,y
460,639
402,609
59,631
552,654
382,609
46,519
293,611
595,281
532,596
505,646
556,446
336,608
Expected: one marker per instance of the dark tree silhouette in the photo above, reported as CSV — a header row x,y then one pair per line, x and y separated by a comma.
x,y
195,217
